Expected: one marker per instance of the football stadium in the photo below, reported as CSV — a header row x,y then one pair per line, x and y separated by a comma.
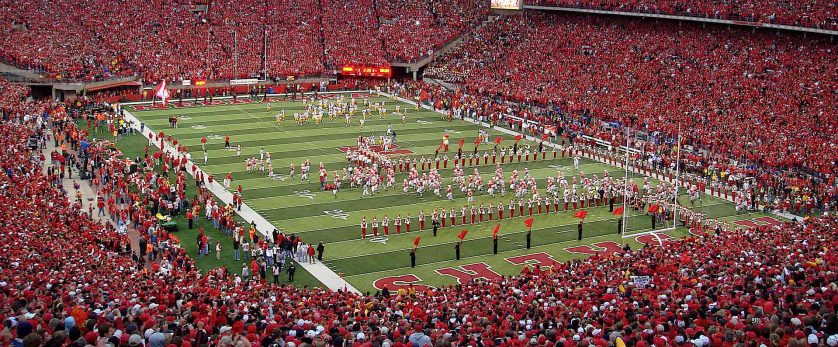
x,y
383,173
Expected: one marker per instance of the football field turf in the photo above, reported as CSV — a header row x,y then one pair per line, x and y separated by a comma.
x,y
300,208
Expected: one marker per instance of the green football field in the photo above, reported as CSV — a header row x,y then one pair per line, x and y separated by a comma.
x,y
300,208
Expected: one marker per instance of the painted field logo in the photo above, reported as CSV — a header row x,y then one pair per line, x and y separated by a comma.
x,y
380,239
198,127
281,178
184,117
337,213
423,122
451,131
214,137
304,194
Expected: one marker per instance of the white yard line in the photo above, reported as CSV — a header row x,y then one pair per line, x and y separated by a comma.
x,y
319,270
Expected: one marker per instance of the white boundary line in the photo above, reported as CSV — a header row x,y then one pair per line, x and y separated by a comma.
x,y
319,270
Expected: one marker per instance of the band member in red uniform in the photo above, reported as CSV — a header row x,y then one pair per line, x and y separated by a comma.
x,y
374,226
442,217
473,214
421,220
364,228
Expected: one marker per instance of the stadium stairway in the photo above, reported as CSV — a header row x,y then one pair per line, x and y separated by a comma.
x,y
451,45
88,195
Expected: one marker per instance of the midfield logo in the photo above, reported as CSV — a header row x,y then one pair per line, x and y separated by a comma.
x,y
281,178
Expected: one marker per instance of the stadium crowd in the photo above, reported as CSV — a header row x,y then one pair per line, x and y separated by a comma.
x,y
95,39
729,88
787,189
772,286
67,280
814,14
413,29
361,44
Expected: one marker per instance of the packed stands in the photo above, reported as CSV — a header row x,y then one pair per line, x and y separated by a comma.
x,y
49,40
728,83
788,189
753,105
350,33
95,39
413,29
295,46
772,285
815,14
166,40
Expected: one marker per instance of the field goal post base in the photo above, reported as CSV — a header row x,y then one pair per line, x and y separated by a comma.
x,y
648,232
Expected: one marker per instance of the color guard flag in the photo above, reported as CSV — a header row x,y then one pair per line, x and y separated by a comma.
x,y
581,214
654,208
416,241
495,232
528,222
498,140
618,211
518,137
544,137
462,234
462,142
162,93
477,141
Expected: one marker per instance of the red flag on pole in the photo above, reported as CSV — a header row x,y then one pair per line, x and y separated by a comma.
x,y
528,222
618,211
462,142
654,208
416,241
581,214
498,140
518,137
495,232
477,141
162,93
544,137
462,234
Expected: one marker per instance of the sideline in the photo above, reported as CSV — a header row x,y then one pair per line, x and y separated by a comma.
x,y
319,270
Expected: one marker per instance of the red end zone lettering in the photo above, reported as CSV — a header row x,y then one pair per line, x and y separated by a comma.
x,y
604,248
398,282
653,239
538,259
466,273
